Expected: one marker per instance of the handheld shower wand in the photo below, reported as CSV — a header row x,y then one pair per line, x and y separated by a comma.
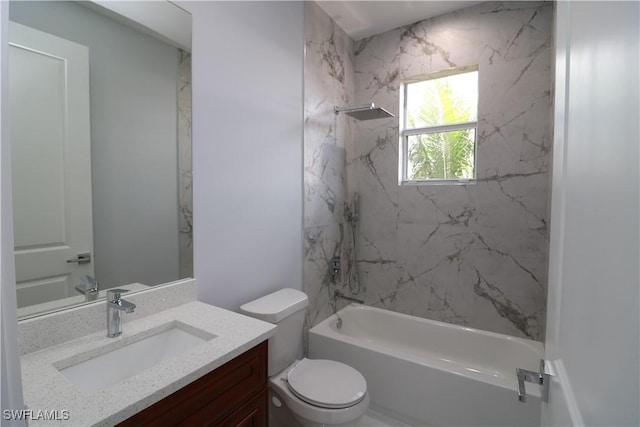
x,y
353,273
355,208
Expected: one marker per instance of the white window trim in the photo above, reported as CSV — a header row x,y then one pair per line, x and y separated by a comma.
x,y
405,133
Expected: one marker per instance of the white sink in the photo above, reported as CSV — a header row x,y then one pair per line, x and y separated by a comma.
x,y
113,366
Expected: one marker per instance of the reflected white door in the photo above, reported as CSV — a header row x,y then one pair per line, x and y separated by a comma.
x,y
592,341
51,163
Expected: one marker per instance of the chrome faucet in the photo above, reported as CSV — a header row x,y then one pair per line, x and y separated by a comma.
x,y
89,288
115,305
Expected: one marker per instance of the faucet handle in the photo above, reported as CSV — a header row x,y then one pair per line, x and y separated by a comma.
x,y
115,294
90,283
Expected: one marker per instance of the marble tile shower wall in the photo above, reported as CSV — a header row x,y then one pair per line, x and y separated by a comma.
x,y
329,81
473,254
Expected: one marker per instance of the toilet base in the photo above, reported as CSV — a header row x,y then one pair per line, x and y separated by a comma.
x,y
281,416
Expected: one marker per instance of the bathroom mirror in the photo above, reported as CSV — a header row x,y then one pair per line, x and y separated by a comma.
x,y
100,128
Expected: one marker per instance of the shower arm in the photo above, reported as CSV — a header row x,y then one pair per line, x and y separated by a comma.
x,y
369,106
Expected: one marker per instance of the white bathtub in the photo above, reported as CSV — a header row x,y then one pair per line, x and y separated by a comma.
x,y
429,373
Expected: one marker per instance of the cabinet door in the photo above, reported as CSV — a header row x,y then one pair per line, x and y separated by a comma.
x,y
253,414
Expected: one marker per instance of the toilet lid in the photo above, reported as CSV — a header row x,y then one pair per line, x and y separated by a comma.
x,y
327,383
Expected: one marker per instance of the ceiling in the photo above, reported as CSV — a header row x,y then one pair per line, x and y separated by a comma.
x,y
360,19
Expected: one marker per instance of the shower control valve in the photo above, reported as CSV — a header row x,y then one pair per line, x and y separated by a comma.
x,y
336,269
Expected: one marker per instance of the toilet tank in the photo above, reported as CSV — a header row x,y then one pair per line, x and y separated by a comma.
x,y
284,308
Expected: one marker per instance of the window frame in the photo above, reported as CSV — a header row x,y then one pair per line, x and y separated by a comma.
x,y
405,133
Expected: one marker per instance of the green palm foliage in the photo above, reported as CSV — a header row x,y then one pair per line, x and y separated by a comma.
x,y
446,154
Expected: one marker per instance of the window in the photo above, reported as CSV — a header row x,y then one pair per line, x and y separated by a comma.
x,y
439,120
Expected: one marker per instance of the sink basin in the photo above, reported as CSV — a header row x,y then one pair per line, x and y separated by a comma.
x,y
113,366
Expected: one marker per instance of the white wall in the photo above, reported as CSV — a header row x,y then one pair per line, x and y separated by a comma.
x,y
134,84
593,336
247,148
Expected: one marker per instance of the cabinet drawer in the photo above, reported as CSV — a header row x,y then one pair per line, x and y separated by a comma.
x,y
221,391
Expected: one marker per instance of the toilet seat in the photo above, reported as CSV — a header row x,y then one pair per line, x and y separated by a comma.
x,y
326,383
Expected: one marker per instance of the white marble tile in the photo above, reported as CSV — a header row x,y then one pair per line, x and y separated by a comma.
x,y
329,82
185,181
469,254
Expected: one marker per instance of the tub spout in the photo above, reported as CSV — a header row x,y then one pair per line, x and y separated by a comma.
x,y
339,295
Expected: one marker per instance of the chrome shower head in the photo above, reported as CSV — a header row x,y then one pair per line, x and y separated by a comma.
x,y
364,112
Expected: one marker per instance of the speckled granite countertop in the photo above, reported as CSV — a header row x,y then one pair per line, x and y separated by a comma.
x,y
45,388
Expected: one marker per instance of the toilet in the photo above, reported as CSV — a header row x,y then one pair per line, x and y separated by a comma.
x,y
313,392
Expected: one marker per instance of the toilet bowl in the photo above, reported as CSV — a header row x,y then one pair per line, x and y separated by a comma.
x,y
314,392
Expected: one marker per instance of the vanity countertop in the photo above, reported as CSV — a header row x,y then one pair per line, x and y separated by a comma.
x,y
46,389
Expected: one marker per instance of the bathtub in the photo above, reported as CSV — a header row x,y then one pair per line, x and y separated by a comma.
x,y
428,373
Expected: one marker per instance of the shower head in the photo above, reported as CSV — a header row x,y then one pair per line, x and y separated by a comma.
x,y
364,112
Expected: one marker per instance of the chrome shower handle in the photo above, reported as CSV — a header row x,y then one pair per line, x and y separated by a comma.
x,y
542,378
525,375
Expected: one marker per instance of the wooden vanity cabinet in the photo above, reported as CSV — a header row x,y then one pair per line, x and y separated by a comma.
x,y
233,395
